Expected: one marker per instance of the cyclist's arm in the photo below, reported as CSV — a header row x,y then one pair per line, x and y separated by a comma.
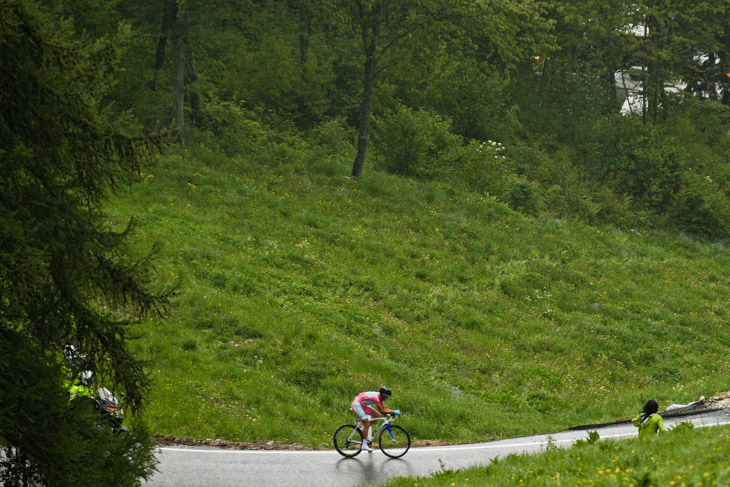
x,y
385,410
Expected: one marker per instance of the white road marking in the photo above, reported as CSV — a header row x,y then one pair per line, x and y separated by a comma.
x,y
420,449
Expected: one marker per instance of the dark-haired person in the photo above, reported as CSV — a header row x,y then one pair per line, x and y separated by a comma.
x,y
648,421
363,408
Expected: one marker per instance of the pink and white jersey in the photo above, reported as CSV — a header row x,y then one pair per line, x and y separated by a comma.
x,y
368,399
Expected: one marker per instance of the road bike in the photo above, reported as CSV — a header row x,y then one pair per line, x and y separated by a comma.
x,y
393,440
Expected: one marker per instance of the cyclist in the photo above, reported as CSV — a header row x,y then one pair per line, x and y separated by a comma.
x,y
363,408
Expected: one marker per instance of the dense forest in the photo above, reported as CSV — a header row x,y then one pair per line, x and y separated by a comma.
x,y
604,111
610,113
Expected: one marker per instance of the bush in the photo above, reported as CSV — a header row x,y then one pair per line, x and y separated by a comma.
x,y
408,141
333,148
476,101
479,166
638,160
419,143
230,127
523,195
333,136
276,85
530,160
700,207
701,123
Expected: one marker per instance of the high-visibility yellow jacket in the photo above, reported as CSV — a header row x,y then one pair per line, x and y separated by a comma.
x,y
653,425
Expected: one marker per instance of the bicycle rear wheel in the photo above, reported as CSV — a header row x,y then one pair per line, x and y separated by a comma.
x,y
395,443
348,440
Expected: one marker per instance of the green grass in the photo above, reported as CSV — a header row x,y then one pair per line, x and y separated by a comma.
x,y
681,458
300,287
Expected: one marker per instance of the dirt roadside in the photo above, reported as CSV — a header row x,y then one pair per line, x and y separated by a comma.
x,y
165,440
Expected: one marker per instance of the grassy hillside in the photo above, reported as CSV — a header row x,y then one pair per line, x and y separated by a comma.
x,y
300,287
681,458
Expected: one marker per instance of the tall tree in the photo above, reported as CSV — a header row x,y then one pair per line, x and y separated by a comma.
x,y
384,26
65,276
190,27
679,37
707,73
563,89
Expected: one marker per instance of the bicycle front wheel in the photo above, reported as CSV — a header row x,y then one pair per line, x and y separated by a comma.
x,y
394,443
348,440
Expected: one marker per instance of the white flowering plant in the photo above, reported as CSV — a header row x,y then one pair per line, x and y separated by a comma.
x,y
482,165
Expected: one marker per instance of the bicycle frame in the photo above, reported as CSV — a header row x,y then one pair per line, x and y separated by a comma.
x,y
374,434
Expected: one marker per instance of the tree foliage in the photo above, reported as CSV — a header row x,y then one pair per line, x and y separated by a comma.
x,y
66,276
501,28
541,77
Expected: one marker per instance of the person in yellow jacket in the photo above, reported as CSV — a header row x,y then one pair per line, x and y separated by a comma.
x,y
648,421
77,379
77,385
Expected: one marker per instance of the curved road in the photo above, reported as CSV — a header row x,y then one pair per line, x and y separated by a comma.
x,y
198,467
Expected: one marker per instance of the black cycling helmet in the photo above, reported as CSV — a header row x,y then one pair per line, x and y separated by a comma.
x,y
384,391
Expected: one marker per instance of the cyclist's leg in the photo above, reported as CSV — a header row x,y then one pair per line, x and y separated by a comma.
x,y
362,415
371,413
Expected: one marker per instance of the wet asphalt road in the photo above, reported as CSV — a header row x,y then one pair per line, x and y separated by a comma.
x,y
197,467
